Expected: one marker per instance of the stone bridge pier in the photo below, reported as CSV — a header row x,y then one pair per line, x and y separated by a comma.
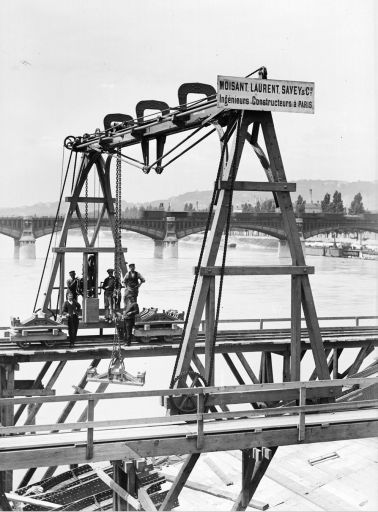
x,y
24,247
283,246
168,247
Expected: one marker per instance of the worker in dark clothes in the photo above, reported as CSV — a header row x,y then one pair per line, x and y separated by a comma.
x,y
109,287
132,281
71,310
131,310
73,285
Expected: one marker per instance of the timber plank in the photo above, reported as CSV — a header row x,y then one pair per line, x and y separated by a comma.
x,y
148,447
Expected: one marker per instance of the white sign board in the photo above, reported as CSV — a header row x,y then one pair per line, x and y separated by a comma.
x,y
260,94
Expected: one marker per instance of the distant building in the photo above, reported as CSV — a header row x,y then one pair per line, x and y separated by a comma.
x,y
313,207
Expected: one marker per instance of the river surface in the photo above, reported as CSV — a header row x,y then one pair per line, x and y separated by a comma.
x,y
340,287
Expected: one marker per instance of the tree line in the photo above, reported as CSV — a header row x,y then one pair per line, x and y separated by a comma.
x,y
335,205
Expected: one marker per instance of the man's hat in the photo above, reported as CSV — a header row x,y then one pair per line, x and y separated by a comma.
x,y
72,272
110,270
131,264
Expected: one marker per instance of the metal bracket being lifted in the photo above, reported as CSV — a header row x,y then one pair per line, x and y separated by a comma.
x,y
116,375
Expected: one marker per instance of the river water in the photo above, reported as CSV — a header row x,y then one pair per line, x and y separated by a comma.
x,y
340,287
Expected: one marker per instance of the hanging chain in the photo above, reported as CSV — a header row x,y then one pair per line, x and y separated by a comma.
x,y
117,351
86,206
118,211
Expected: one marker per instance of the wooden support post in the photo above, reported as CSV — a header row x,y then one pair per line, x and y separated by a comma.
x,y
253,475
62,275
4,503
213,241
295,363
288,218
120,478
200,411
248,465
302,416
131,480
179,483
266,367
209,332
6,417
314,374
124,495
91,406
335,369
286,367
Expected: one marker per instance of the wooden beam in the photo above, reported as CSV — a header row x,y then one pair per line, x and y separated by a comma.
x,y
180,481
295,346
82,225
209,332
254,388
247,367
61,250
215,491
29,392
116,488
356,365
291,229
213,242
111,450
97,226
146,502
217,470
260,270
27,500
88,199
259,186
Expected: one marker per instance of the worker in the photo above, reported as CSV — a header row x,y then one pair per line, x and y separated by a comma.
x,y
91,286
129,314
111,291
71,309
73,285
132,281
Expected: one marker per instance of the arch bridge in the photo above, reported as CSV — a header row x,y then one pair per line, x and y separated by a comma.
x,y
166,228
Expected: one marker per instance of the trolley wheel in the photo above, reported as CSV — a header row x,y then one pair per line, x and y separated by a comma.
x,y
49,343
186,404
23,343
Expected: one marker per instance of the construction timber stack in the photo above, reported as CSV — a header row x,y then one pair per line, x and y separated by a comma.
x,y
288,412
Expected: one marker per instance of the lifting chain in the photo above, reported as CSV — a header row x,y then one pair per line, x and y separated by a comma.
x,y
116,363
86,206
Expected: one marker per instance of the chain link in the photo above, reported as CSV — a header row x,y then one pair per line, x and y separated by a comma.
x,y
117,351
86,206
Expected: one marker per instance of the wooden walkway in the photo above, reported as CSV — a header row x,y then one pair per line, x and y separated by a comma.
x,y
37,445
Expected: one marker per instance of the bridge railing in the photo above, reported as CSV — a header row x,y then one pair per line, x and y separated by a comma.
x,y
200,397
262,322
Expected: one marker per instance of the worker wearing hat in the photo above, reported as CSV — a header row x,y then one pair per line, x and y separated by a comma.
x,y
109,286
132,281
73,285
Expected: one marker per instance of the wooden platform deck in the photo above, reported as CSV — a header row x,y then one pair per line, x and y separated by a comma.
x,y
93,346
39,449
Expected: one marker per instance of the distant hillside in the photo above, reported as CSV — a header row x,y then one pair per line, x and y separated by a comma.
x,y
201,198
368,189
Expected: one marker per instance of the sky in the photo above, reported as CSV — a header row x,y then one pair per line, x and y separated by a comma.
x,y
64,65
